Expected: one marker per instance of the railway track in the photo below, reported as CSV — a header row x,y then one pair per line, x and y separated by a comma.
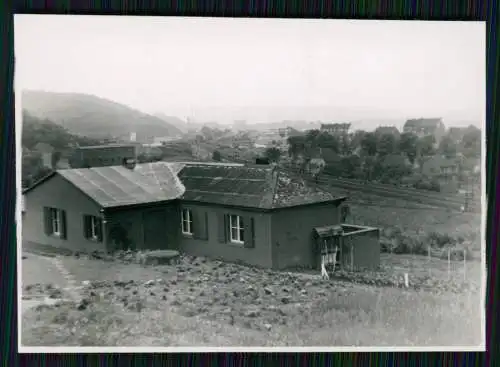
x,y
411,195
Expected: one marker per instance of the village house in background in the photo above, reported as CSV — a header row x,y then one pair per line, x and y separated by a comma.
x,y
336,129
426,127
383,130
259,215
103,155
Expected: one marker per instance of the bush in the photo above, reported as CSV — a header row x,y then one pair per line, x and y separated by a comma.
x,y
456,254
395,241
440,240
430,185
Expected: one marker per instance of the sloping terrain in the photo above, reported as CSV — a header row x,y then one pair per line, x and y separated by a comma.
x,y
92,116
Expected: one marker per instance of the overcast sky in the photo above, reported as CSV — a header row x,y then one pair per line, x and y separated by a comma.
x,y
258,68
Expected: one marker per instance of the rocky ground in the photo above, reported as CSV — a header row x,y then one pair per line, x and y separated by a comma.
x,y
301,306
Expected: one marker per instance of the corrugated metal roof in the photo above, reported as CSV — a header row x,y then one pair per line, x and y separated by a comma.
x,y
328,231
262,187
230,185
120,186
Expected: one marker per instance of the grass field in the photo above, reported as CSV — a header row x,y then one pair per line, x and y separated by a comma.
x,y
208,303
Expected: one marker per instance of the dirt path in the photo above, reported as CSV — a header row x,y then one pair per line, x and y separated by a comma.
x,y
38,271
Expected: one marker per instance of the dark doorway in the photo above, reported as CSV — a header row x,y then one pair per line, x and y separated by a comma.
x,y
155,229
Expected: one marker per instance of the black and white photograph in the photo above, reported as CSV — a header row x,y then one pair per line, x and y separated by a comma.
x,y
197,184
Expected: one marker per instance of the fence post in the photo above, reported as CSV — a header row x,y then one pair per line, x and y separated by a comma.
x,y
449,263
352,257
429,260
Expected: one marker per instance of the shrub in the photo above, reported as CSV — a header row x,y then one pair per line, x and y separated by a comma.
x,y
456,254
440,240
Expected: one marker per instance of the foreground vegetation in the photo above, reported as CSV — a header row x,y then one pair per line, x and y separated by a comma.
x,y
209,303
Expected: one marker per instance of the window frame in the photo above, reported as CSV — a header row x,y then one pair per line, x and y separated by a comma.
x,y
188,221
240,228
55,218
94,223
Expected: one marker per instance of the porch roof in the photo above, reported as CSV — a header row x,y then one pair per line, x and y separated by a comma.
x,y
329,231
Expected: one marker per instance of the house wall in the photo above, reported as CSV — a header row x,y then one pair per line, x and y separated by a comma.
x,y
58,193
366,249
105,156
259,255
293,241
133,221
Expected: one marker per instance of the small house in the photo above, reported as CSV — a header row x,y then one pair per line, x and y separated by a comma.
x,y
260,215
336,129
103,155
426,127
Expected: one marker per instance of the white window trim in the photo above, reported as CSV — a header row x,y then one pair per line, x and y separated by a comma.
x,y
55,217
94,221
188,221
238,228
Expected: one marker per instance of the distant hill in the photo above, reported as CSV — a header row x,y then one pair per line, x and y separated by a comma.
x,y
95,117
174,121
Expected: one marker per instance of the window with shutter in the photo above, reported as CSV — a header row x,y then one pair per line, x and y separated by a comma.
x,y
55,222
92,227
64,230
47,221
187,221
250,232
222,229
236,229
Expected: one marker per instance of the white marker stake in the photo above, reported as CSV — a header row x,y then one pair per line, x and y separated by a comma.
x,y
465,265
406,280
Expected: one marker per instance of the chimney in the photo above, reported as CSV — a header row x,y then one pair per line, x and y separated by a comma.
x,y
262,161
129,163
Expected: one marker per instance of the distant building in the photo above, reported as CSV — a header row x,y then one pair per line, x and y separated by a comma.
x,y
457,133
425,127
133,137
103,155
336,129
384,130
445,170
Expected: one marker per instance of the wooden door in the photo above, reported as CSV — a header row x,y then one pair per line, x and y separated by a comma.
x,y
155,229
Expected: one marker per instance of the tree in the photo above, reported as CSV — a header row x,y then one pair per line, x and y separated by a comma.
x,y
346,147
312,135
56,157
296,146
216,156
408,145
387,144
394,168
471,142
351,166
356,138
425,145
369,143
325,140
370,168
273,154
447,147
